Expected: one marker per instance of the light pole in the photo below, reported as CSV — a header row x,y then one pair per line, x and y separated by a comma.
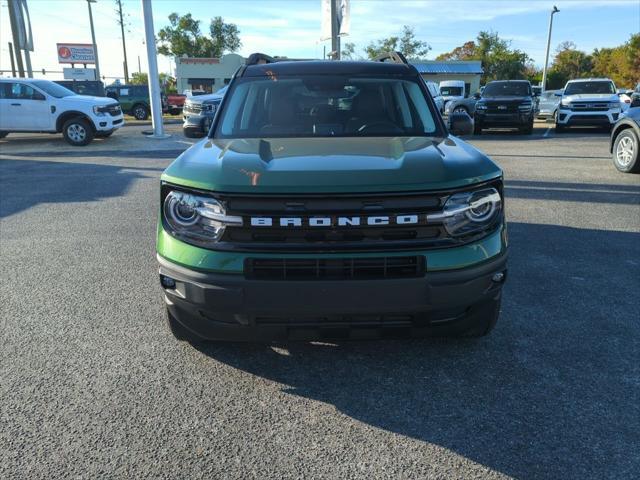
x,y
546,57
93,38
154,83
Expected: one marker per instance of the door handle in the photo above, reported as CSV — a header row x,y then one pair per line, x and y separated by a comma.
x,y
16,104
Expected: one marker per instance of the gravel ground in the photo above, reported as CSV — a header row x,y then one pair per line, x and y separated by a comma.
x,y
92,385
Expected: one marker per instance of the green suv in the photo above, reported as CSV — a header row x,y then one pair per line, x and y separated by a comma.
x,y
134,99
331,200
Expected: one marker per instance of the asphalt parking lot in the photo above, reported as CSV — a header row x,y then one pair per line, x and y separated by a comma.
x,y
92,385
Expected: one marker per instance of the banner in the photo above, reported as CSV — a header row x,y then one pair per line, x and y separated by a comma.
x,y
343,11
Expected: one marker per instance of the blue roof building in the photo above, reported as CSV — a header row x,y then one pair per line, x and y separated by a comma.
x,y
470,71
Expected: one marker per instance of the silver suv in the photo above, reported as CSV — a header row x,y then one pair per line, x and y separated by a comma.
x,y
588,101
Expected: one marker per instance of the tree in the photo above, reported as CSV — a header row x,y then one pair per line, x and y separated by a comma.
x,y
408,45
139,78
569,63
349,51
620,63
499,61
183,37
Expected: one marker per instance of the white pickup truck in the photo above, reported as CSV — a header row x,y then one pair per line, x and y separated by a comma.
x,y
32,105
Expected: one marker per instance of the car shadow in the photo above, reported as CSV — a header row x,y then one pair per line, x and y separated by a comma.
x,y
551,393
27,183
573,192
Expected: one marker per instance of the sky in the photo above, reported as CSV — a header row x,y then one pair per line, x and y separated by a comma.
x,y
292,27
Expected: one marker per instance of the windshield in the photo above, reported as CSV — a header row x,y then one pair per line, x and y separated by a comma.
x,y
451,91
577,88
507,89
325,106
53,89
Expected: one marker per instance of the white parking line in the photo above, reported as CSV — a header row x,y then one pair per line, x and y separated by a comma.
x,y
546,134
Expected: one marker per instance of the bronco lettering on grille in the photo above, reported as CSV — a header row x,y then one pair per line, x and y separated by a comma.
x,y
373,221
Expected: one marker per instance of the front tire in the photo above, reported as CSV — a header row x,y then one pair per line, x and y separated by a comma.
x,y
626,152
559,128
527,130
140,112
477,128
78,132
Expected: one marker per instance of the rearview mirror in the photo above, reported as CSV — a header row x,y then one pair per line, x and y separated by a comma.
x,y
460,124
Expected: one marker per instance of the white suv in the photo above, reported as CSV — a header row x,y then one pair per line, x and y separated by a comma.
x,y
31,105
588,101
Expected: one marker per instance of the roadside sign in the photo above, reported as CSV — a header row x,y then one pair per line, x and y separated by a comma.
x,y
79,73
76,53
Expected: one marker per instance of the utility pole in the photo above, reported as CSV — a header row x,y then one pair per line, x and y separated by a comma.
x,y
124,44
13,63
154,81
93,38
546,57
335,30
16,38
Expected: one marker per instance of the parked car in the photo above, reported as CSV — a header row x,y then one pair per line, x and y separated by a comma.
x,y
548,104
434,90
30,105
94,88
452,90
175,103
635,96
134,99
505,103
588,102
462,105
333,200
625,141
199,111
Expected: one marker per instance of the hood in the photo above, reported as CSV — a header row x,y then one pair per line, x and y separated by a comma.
x,y
204,98
326,165
588,97
448,98
91,100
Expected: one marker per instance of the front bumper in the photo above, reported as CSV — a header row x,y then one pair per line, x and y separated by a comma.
x,y
595,118
232,307
503,119
107,123
197,121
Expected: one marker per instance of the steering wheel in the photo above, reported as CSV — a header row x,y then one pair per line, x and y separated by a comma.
x,y
391,126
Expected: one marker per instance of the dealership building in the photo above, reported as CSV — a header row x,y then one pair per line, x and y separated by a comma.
x,y
469,71
208,74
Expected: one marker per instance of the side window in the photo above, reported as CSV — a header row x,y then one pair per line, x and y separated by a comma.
x,y
21,91
5,90
124,92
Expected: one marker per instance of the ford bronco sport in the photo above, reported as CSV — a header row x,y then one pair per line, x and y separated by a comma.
x,y
331,200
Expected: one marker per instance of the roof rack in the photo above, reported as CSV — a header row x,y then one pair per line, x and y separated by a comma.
x,y
392,57
259,58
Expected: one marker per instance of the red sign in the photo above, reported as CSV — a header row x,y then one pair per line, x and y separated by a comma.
x,y
76,53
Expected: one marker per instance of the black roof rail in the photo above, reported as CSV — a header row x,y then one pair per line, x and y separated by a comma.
x,y
393,57
259,58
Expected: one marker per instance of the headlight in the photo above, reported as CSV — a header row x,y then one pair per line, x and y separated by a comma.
x,y
196,219
565,105
209,107
481,106
469,212
525,107
100,110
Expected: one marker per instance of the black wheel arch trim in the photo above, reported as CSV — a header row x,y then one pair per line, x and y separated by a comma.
x,y
68,115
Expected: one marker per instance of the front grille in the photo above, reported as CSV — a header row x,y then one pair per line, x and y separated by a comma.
x,y
589,106
335,268
493,109
581,118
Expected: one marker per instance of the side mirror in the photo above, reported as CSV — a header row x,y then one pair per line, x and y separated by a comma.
x,y
460,124
476,95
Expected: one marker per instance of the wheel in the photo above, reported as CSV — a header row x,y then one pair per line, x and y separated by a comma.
x,y
554,117
140,112
460,110
78,132
477,128
626,150
175,111
178,331
3,134
192,133
104,134
559,128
